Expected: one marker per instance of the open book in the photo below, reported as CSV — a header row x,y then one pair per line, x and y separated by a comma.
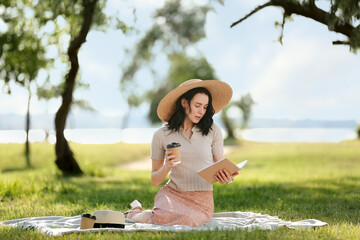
x,y
210,171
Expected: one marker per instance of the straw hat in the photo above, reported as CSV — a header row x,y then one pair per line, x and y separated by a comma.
x,y
221,94
109,219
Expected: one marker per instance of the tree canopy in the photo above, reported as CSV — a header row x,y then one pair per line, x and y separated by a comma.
x,y
22,53
34,25
176,28
342,17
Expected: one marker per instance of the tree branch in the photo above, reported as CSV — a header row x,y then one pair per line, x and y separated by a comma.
x,y
339,42
252,12
282,28
306,10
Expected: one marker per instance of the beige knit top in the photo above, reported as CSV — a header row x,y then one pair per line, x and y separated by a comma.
x,y
196,153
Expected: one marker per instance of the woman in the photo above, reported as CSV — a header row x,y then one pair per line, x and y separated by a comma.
x,y
186,199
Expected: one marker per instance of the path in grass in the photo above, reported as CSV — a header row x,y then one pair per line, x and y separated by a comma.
x,y
145,163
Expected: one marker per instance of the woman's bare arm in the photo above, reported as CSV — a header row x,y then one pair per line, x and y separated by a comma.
x,y
160,169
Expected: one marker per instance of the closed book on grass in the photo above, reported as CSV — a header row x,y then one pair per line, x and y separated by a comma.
x,y
209,172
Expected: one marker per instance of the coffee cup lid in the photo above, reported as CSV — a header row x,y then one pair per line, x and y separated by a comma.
x,y
173,145
88,215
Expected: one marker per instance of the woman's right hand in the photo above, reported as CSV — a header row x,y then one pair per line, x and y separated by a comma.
x,y
171,160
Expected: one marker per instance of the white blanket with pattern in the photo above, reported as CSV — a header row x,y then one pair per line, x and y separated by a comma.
x,y
57,225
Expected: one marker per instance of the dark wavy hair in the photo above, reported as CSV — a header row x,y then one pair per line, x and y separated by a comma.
x,y
178,117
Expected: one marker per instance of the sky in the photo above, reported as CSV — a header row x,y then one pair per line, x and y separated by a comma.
x,y
305,78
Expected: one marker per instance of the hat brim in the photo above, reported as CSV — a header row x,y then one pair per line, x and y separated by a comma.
x,y
109,218
221,94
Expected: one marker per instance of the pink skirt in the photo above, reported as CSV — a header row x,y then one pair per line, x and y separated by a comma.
x,y
175,207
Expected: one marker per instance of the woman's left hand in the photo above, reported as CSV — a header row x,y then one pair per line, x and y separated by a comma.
x,y
223,176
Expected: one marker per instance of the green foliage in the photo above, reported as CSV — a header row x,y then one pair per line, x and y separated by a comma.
x,y
22,53
346,12
34,25
181,25
342,16
355,39
72,12
123,26
176,27
29,32
293,181
47,90
156,96
182,68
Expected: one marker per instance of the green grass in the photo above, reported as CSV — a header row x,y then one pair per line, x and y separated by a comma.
x,y
293,181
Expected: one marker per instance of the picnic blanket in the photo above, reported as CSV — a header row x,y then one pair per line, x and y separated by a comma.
x,y
58,225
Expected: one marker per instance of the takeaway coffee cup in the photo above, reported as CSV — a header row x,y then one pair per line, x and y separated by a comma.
x,y
87,221
175,150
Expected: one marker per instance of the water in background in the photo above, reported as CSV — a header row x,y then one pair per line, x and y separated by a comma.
x,y
144,135
299,134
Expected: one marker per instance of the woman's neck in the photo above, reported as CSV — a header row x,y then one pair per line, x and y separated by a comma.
x,y
188,125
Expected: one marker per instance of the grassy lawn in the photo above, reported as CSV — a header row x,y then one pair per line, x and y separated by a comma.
x,y
294,181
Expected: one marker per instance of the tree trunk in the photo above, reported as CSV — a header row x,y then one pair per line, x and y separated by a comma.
x,y
225,119
229,128
27,145
64,156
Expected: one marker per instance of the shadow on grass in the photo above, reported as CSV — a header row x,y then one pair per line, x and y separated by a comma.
x,y
16,169
113,194
332,200
329,200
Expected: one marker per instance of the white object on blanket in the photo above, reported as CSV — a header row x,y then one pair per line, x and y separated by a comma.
x,y
56,225
135,204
